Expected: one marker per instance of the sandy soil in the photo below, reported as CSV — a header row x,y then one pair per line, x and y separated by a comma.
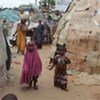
x,y
46,89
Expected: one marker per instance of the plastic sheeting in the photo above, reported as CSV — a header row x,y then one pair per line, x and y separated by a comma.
x,y
10,15
3,58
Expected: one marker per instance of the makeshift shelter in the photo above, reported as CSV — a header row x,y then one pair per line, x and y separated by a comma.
x,y
79,29
35,17
3,58
10,15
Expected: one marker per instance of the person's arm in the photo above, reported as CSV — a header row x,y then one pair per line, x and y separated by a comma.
x,y
15,33
54,63
17,28
52,67
67,60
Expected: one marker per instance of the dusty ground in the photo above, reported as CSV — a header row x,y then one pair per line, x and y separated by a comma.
x,y
46,89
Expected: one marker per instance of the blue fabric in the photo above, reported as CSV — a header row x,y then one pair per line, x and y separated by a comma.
x,y
10,15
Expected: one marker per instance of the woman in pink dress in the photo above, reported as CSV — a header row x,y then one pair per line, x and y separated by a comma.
x,y
32,66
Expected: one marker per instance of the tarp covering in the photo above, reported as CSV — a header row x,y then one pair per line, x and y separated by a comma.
x,y
10,15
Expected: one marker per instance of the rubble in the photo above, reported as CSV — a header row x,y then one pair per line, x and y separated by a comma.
x,y
62,5
72,72
86,79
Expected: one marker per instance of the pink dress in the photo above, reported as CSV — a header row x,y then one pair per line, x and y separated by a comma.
x,y
32,66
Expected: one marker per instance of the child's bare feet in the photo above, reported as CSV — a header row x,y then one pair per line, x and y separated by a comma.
x,y
36,87
30,84
63,88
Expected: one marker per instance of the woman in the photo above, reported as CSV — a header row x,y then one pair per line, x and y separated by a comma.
x,y
21,35
32,66
39,35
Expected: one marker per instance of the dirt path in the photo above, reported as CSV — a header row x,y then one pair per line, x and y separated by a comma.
x,y
46,89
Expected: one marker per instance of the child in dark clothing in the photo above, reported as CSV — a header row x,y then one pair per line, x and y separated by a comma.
x,y
60,62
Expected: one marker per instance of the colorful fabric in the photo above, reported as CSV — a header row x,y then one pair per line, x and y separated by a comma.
x,y
21,39
60,77
32,66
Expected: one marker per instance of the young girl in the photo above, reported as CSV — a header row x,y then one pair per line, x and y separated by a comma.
x,y
32,66
60,62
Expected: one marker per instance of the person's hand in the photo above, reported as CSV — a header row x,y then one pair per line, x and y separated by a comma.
x,y
50,68
13,35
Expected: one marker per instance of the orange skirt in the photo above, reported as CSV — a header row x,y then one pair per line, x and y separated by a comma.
x,y
21,41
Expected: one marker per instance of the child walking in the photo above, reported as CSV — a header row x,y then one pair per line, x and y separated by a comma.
x,y
32,66
60,62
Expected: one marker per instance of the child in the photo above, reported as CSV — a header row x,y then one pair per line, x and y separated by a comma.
x,y
60,62
32,66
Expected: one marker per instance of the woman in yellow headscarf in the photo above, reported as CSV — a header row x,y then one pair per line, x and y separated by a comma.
x,y
21,36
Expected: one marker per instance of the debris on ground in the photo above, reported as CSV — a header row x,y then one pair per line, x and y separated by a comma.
x,y
87,79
